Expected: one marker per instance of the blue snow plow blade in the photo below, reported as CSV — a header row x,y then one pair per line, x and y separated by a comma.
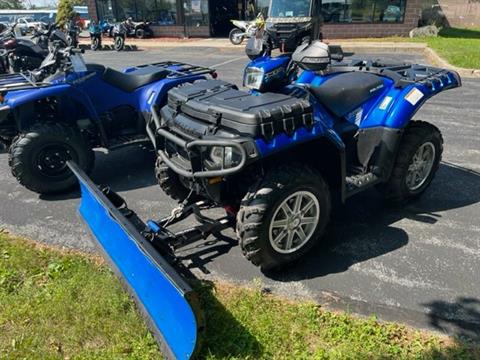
x,y
168,303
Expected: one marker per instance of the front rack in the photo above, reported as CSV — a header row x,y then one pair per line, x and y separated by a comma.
x,y
10,82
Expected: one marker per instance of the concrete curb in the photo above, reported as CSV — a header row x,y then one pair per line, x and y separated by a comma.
x,y
371,47
436,60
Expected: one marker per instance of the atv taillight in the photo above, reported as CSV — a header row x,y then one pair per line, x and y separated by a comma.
x,y
231,210
10,44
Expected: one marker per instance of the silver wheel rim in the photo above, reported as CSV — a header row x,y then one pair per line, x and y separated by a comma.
x,y
294,222
420,166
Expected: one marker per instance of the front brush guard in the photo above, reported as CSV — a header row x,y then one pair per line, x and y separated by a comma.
x,y
142,256
157,134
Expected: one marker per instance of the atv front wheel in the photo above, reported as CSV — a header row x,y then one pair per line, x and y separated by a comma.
x,y
169,181
38,158
284,217
95,45
417,162
119,43
235,36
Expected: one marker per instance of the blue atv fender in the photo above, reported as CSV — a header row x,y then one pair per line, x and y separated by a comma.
x,y
165,299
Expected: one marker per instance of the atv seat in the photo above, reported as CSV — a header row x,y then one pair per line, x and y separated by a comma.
x,y
344,93
129,82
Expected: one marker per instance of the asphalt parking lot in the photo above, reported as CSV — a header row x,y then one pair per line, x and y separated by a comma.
x,y
418,264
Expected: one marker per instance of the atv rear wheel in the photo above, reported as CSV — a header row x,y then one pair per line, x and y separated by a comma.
x,y
284,217
169,181
140,34
417,162
38,158
235,36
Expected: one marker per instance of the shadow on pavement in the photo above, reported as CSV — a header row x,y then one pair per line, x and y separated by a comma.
x,y
362,229
128,168
109,47
199,254
460,318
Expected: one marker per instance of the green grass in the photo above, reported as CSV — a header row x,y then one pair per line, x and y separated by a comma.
x,y
460,47
57,305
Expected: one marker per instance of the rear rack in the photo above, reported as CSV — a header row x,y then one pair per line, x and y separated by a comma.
x,y
405,74
183,69
9,82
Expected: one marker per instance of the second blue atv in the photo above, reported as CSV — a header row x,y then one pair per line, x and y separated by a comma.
x,y
66,108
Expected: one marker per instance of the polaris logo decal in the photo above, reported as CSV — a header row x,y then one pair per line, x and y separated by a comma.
x,y
376,88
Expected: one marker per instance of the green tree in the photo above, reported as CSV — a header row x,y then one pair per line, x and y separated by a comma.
x,y
12,4
64,12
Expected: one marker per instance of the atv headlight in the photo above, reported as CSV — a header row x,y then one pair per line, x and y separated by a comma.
x,y
253,78
225,157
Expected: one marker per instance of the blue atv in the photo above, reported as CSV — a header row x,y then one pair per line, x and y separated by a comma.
x,y
66,108
272,161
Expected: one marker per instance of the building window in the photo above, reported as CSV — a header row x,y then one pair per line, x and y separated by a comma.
x,y
363,11
389,11
166,12
196,13
161,12
262,7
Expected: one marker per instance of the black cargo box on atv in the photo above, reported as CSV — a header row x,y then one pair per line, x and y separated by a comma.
x,y
222,105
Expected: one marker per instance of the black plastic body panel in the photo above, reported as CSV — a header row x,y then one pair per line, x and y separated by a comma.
x,y
377,149
221,104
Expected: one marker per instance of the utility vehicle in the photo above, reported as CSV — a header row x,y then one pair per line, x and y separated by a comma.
x,y
272,160
288,24
67,108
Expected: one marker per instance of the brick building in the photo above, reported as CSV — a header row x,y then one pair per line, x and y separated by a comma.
x,y
456,13
204,18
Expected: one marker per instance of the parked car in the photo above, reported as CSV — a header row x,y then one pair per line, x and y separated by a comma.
x,y
28,24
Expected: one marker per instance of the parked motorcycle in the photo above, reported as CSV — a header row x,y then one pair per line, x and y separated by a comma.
x,y
95,35
245,29
23,54
72,31
106,27
119,32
